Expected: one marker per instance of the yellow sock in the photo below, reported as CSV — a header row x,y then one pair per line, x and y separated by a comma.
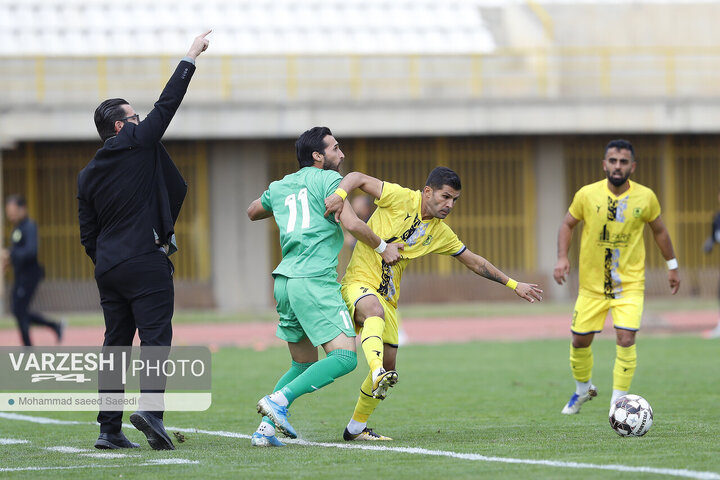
x,y
366,404
581,363
625,363
371,341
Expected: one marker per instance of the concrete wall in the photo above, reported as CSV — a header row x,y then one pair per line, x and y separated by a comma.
x,y
240,248
551,197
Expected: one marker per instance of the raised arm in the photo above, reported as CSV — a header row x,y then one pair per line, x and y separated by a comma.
x,y
562,267
153,127
662,238
370,185
390,252
479,265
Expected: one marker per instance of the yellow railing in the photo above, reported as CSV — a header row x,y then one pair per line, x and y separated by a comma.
x,y
553,72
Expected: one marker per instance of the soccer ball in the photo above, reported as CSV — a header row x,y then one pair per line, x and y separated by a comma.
x,y
631,416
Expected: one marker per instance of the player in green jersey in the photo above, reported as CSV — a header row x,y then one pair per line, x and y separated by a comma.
x,y
311,309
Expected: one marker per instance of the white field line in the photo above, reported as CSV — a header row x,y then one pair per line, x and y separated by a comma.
x,y
149,463
107,455
412,451
63,449
12,441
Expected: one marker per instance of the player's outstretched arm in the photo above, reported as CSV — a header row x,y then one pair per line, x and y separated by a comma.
x,y
390,252
562,267
370,185
479,265
662,238
256,211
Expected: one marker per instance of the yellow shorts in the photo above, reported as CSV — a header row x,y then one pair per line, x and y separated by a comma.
x,y
353,292
589,315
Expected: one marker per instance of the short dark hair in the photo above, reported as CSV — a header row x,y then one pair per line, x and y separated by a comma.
x,y
441,176
621,144
16,199
106,114
310,141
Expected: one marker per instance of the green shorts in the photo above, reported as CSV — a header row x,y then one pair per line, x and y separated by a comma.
x,y
311,307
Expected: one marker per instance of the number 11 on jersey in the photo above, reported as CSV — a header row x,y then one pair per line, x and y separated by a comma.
x,y
291,203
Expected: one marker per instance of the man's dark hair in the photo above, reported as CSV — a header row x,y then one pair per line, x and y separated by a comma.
x,y
441,176
310,141
621,145
16,199
106,114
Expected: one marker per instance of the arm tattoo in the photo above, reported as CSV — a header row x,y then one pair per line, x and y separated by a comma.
x,y
485,272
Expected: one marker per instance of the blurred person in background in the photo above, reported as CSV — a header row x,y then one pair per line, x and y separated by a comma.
x,y
129,197
28,272
612,268
709,243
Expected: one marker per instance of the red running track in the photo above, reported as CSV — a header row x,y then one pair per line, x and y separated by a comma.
x,y
260,335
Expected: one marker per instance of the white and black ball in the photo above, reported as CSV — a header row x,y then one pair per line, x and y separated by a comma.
x,y
631,416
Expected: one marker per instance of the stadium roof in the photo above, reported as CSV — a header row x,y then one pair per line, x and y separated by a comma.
x,y
92,27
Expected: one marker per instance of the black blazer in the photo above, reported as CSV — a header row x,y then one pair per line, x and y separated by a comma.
x,y
132,186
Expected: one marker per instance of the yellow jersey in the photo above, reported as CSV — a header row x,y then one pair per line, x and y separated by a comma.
x,y
612,250
398,219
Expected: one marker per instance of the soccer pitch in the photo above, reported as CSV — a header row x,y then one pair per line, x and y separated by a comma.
x,y
482,409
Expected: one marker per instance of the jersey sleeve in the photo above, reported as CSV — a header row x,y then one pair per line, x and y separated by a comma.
x,y
653,211
393,196
265,200
331,181
576,207
448,242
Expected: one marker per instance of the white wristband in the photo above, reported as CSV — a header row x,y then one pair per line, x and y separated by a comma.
x,y
672,264
381,248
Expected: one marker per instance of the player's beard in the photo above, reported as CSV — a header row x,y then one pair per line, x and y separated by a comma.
x,y
618,181
335,167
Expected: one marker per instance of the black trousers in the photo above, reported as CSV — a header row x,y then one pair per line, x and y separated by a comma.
x,y
137,294
22,294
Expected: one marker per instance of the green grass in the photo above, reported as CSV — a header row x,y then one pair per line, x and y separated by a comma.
x,y
434,310
489,398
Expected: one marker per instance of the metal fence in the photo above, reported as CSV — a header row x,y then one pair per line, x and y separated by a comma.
x,y
46,174
496,215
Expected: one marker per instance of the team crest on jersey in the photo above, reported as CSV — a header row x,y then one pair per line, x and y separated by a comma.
x,y
16,235
637,212
427,240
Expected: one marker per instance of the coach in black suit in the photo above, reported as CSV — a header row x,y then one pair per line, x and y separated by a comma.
x,y
130,195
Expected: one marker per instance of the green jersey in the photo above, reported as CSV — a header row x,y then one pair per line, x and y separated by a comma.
x,y
310,241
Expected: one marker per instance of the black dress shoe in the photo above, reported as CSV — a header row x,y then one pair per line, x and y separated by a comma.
x,y
153,429
114,440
